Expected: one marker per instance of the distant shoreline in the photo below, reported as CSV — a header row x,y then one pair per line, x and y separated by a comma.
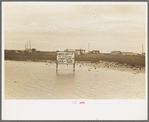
x,y
99,64
115,66
133,60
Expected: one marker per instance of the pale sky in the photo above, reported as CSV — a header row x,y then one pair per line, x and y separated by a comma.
x,y
106,26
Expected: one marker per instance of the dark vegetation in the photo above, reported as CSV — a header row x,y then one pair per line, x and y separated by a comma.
x,y
37,56
129,59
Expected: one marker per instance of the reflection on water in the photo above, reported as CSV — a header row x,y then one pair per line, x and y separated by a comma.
x,y
65,77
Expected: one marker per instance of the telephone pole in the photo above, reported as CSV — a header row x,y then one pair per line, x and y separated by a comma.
x,y
30,45
142,48
88,47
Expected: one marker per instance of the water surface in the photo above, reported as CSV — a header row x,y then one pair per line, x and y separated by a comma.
x,y
39,80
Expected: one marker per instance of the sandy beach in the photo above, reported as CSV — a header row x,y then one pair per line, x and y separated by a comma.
x,y
102,80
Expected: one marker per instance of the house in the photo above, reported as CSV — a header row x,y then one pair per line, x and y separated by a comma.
x,y
116,52
95,52
129,53
79,51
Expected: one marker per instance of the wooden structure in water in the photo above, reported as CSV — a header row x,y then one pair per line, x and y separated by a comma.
x,y
65,58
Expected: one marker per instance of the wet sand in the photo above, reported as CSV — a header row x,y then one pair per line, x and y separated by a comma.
x,y
114,66
39,80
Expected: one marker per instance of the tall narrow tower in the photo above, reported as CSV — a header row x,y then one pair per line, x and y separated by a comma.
x,y
30,45
27,46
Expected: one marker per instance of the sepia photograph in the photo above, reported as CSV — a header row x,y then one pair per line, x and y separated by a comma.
x,y
74,51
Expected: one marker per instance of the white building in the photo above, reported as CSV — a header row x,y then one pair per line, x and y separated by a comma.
x,y
129,53
116,52
95,51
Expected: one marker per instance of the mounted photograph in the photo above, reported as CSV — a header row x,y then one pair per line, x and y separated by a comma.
x,y
62,50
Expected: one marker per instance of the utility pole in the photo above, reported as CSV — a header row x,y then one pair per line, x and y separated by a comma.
x,y
30,45
142,48
88,47
27,45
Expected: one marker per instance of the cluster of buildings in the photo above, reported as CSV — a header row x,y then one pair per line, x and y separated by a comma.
x,y
28,49
82,51
125,53
77,52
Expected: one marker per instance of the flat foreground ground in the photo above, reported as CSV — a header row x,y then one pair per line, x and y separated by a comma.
x,y
39,80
